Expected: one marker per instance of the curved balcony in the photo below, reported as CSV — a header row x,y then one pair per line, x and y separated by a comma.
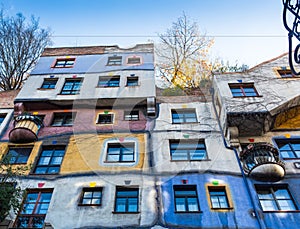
x,y
261,162
26,128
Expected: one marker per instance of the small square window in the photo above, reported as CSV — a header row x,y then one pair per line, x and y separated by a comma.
x,y
243,90
184,116
186,198
91,196
132,81
117,152
50,160
64,63
49,84
134,60
132,115
105,119
218,197
275,198
63,119
286,73
114,60
127,200
187,150
106,81
71,87
18,155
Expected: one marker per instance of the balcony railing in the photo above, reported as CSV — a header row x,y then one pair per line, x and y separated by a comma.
x,y
26,128
261,161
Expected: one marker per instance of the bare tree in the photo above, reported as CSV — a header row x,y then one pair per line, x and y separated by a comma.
x,y
21,44
182,54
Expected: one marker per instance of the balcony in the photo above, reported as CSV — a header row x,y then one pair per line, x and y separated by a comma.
x,y
25,129
261,162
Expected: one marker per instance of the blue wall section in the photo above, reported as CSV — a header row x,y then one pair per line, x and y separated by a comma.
x,y
238,217
91,64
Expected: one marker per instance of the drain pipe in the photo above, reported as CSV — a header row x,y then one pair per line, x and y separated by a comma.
x,y
260,222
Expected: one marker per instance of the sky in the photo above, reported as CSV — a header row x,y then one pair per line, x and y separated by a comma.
x,y
244,31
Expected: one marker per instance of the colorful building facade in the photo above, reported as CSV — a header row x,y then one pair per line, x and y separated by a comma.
x,y
104,150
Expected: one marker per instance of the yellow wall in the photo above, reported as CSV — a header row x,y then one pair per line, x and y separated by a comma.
x,y
288,120
4,146
84,151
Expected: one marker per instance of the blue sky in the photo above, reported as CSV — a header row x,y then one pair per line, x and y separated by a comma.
x,y
245,31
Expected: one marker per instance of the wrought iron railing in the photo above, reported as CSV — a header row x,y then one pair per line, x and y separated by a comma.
x,y
291,21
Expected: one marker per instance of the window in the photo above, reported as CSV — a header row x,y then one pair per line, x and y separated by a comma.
x,y
134,60
71,87
2,117
18,155
289,148
132,115
105,81
218,197
117,152
286,73
184,116
91,196
243,90
49,84
132,81
34,209
64,63
114,60
105,119
186,199
187,150
50,160
275,198
126,200
63,119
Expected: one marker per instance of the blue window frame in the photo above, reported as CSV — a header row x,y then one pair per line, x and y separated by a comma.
x,y
187,150
34,209
275,198
218,197
117,152
50,160
71,87
126,200
114,60
183,116
186,198
91,196
288,148
105,81
18,155
49,83
132,81
243,90
64,63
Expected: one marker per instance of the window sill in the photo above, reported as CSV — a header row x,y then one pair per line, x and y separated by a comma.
x,y
89,205
239,97
112,162
184,123
45,89
278,211
222,209
189,160
128,213
188,212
